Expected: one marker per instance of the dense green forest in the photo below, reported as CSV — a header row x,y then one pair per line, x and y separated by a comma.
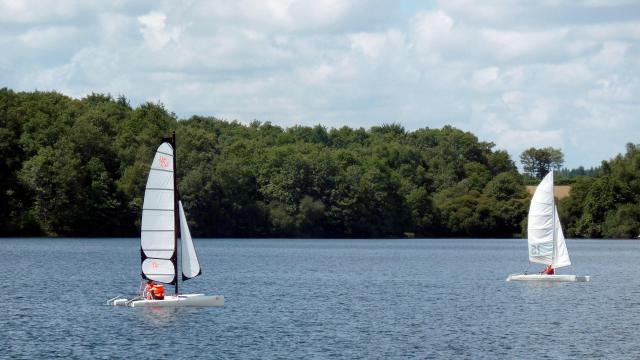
x,y
78,168
608,203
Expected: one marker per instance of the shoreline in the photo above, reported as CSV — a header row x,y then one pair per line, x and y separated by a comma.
x,y
298,238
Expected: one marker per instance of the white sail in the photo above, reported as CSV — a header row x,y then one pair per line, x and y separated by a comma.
x,y
546,240
540,227
190,265
561,256
158,224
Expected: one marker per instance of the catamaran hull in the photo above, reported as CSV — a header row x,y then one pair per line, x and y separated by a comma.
x,y
186,300
549,278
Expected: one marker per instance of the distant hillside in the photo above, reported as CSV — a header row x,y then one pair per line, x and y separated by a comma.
x,y
78,167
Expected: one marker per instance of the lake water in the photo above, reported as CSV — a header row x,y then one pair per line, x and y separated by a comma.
x,y
302,299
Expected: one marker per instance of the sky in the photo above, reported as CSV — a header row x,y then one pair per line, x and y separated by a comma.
x,y
520,74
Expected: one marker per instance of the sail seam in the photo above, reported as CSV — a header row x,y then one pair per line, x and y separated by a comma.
x,y
160,274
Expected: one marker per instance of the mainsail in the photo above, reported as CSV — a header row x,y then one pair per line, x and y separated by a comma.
x,y
190,265
546,240
157,241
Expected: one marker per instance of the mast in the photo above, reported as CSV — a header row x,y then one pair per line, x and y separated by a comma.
x,y
553,201
175,209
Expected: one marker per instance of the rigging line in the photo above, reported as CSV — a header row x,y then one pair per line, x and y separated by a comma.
x,y
110,301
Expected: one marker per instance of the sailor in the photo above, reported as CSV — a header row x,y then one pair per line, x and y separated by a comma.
x,y
548,270
158,292
147,293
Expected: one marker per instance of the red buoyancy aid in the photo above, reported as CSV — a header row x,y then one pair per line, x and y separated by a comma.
x,y
158,291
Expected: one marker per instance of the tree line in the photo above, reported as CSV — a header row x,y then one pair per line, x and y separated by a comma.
x,y
78,167
606,204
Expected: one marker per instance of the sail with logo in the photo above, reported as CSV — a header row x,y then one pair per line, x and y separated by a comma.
x,y
163,218
546,241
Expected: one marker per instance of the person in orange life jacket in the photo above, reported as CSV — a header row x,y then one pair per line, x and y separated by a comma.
x,y
158,292
147,293
548,270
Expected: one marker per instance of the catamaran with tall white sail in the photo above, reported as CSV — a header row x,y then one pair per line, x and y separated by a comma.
x,y
163,222
545,237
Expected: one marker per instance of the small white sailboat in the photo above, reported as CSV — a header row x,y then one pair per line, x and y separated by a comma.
x,y
162,220
545,237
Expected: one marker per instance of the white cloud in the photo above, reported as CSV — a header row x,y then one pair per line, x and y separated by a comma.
x,y
519,140
114,29
486,10
432,29
607,3
611,89
569,74
539,114
605,32
513,97
512,44
433,33
612,54
520,74
34,11
42,38
483,79
155,31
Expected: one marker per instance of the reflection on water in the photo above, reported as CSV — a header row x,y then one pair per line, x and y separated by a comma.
x,y
157,316
541,288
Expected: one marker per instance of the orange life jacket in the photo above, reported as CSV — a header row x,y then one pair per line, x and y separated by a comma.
x,y
158,291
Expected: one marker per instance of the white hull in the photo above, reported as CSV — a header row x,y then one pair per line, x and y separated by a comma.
x,y
186,300
552,278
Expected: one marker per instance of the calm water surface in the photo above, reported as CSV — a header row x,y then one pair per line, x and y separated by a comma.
x,y
353,299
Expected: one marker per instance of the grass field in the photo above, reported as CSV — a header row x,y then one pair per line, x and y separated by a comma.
x,y
560,191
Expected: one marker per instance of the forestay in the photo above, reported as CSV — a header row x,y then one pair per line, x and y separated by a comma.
x,y
158,225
